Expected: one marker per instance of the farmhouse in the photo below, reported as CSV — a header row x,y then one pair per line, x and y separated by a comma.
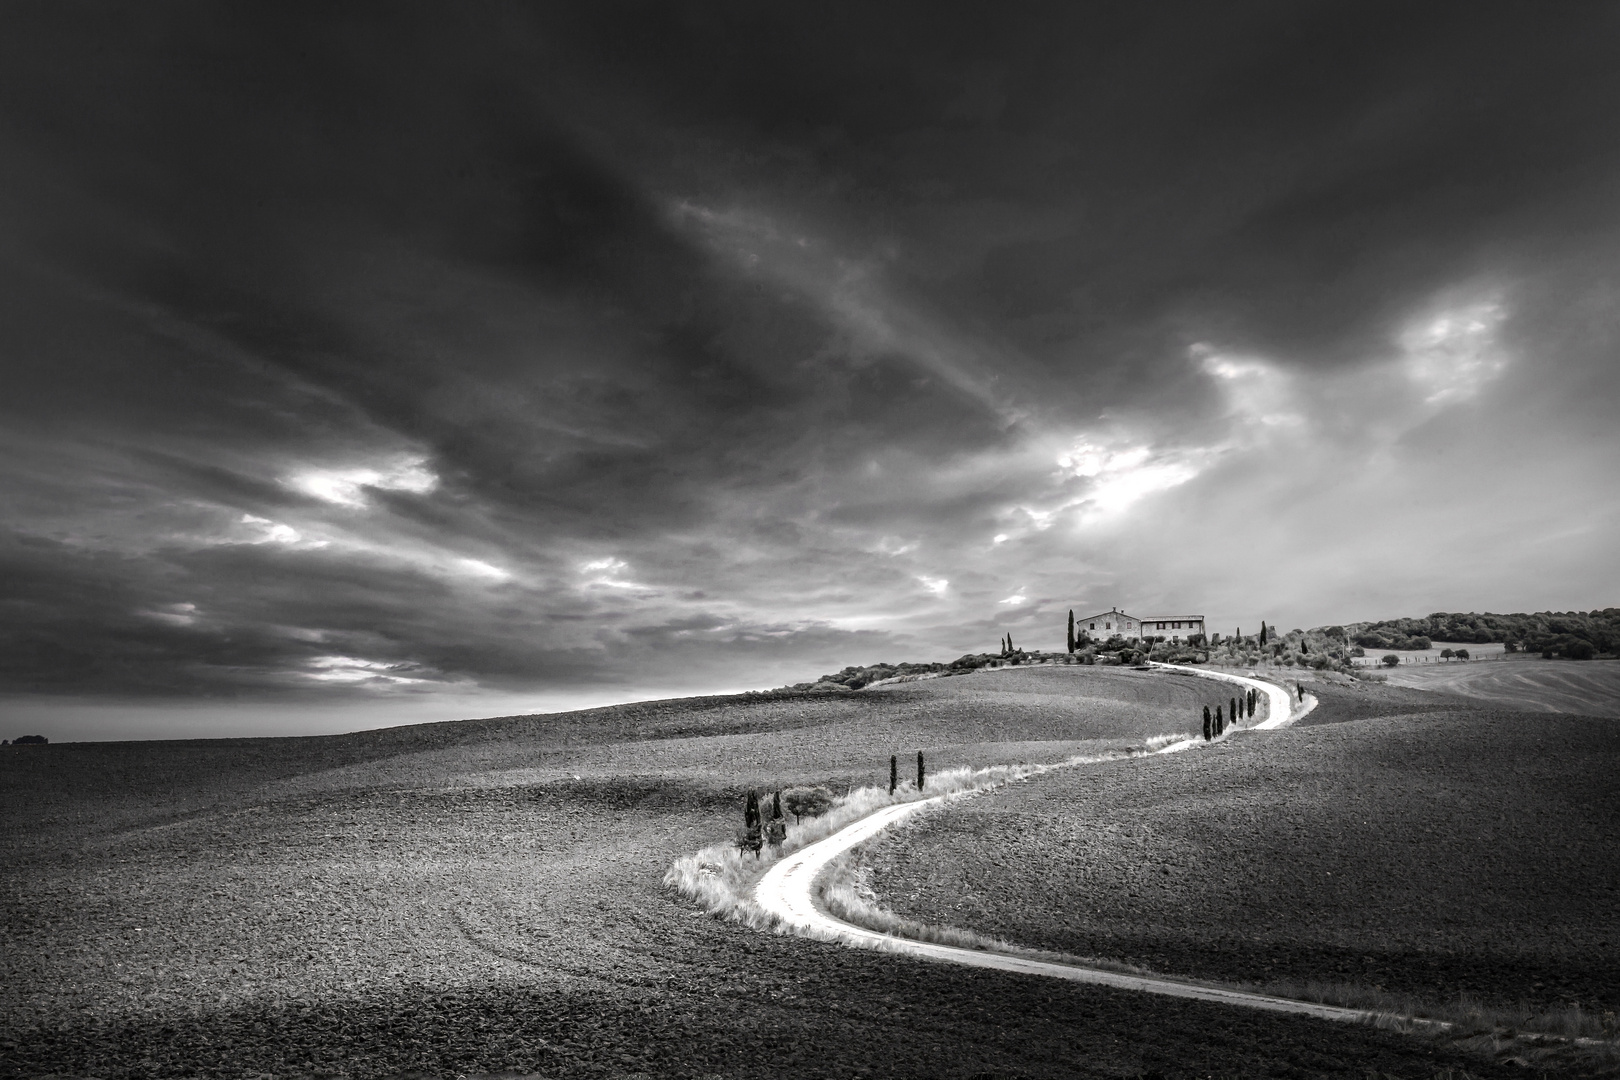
x,y
1114,621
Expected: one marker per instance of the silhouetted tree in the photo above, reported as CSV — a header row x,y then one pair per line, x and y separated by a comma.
x,y
1262,631
1071,630
1209,724
1220,724
894,772
776,829
752,838
919,771
1234,713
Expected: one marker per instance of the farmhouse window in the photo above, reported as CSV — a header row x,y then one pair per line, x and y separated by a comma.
x,y
1161,626
1108,626
1093,626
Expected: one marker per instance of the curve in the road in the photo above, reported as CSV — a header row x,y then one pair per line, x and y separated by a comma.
x,y
787,891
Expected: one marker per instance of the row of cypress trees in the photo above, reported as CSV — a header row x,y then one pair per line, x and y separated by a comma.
x,y
759,830
894,772
1236,708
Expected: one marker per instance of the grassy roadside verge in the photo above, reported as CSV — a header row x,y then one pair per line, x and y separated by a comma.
x,y
721,879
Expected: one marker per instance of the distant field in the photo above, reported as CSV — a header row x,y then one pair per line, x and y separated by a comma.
x,y
483,896
1491,650
1583,687
1437,854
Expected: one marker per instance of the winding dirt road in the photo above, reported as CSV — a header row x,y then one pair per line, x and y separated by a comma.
x,y
788,891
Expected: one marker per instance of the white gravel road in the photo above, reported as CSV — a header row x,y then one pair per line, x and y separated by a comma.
x,y
788,890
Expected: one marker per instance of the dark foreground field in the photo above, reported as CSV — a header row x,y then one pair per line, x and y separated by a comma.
x,y
476,897
1434,852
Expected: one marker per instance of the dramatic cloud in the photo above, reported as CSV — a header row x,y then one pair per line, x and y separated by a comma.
x,y
433,362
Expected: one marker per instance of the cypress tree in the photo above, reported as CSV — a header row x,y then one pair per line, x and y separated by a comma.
x,y
1233,713
1262,631
1010,647
753,836
1220,725
776,831
1254,696
1071,630
894,772
1209,722
919,771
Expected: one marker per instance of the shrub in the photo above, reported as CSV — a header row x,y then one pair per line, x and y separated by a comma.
x,y
36,740
803,802
1391,660
1579,650
1511,646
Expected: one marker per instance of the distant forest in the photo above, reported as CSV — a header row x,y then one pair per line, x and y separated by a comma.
x,y
1576,634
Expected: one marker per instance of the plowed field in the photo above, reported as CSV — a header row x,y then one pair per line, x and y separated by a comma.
x,y
1438,854
1528,684
451,900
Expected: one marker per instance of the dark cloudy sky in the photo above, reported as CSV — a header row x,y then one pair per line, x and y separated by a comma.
x,y
367,364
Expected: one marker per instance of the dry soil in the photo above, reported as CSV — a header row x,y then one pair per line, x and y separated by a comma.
x,y
467,898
